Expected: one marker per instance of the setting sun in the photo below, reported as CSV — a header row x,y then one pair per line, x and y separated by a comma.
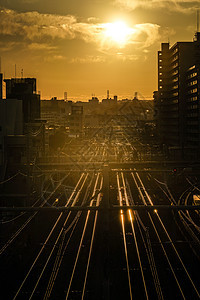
x,y
118,31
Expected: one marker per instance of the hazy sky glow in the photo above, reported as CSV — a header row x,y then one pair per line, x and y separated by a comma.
x,y
86,47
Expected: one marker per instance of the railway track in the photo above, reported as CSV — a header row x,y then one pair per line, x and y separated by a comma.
x,y
103,254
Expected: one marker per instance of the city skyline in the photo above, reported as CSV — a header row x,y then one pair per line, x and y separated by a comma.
x,y
88,49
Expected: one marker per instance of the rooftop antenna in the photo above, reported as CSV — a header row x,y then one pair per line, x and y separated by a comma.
x,y
15,70
107,94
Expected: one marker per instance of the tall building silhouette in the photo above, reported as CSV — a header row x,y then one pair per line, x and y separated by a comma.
x,y
25,89
21,129
177,99
1,85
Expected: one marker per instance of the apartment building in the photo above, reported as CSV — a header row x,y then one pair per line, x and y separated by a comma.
x,y
177,98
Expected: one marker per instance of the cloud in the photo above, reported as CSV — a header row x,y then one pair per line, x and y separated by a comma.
x,y
9,46
128,57
88,59
37,46
34,25
183,6
29,1
54,57
147,34
39,31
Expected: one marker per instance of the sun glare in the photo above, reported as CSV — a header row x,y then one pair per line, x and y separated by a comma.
x,y
118,32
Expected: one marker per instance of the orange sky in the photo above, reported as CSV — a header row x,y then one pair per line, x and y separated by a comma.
x,y
68,45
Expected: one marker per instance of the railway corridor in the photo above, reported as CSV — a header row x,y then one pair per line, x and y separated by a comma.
x,y
93,250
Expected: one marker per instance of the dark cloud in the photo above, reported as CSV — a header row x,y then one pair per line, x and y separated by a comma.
x,y
183,6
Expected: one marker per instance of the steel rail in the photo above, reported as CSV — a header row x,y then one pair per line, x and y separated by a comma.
x,y
44,244
23,226
134,235
91,244
157,234
124,236
178,255
58,237
61,251
182,215
171,242
81,240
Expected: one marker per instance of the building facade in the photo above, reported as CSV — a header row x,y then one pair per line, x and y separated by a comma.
x,y
76,121
11,124
21,129
25,89
177,98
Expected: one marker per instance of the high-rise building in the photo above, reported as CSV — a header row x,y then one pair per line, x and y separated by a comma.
x,y
25,89
177,99
24,141
1,86
193,108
